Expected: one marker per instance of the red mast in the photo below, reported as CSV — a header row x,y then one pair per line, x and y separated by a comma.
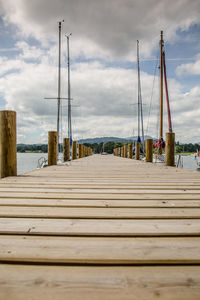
x,y
167,95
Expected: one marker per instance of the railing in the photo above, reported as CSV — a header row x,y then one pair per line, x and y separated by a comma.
x,y
42,162
179,161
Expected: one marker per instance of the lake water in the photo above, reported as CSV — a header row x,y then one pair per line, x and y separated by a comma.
x,y
189,162
27,162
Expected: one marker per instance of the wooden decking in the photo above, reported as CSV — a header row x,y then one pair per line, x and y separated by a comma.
x,y
101,227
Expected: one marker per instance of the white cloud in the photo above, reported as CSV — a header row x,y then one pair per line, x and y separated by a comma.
x,y
103,28
190,68
104,95
103,32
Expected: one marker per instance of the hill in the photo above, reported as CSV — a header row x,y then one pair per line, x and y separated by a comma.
x,y
110,139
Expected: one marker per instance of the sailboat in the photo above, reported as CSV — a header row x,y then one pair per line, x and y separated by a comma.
x,y
43,162
160,144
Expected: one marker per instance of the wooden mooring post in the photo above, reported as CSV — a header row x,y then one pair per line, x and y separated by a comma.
x,y
79,150
137,150
74,150
66,149
82,151
130,151
125,151
170,149
52,148
122,151
8,144
149,150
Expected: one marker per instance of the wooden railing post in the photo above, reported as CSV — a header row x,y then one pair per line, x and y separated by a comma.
x,y
52,148
149,150
125,151
79,150
122,151
8,144
82,150
130,151
66,149
74,150
137,150
170,149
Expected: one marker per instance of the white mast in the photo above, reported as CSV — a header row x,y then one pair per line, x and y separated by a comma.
x,y
140,111
59,82
69,92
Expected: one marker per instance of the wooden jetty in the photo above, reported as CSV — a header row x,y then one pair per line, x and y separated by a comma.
x,y
100,227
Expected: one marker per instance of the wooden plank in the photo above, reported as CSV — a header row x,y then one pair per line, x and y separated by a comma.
x,y
101,227
99,196
100,213
104,191
84,250
27,179
22,282
17,182
95,186
40,202
61,214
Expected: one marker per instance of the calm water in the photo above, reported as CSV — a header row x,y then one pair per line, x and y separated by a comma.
x,y
189,162
27,162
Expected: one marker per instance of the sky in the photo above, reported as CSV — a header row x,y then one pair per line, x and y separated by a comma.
x,y
103,66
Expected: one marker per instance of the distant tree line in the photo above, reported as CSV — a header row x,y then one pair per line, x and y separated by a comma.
x,y
107,147
186,147
98,148
22,148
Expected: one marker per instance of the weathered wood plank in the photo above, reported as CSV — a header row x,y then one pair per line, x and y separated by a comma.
x,y
40,202
173,191
99,196
100,213
22,282
79,250
69,182
101,227
28,179
61,215
97,186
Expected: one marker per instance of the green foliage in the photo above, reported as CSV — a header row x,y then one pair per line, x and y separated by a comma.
x,y
108,147
181,148
32,148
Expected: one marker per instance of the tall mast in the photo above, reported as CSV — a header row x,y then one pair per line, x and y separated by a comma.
x,y
140,111
138,67
69,92
161,84
59,82
161,88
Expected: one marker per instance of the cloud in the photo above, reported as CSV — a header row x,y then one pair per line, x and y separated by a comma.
x,y
105,94
190,68
103,28
106,99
